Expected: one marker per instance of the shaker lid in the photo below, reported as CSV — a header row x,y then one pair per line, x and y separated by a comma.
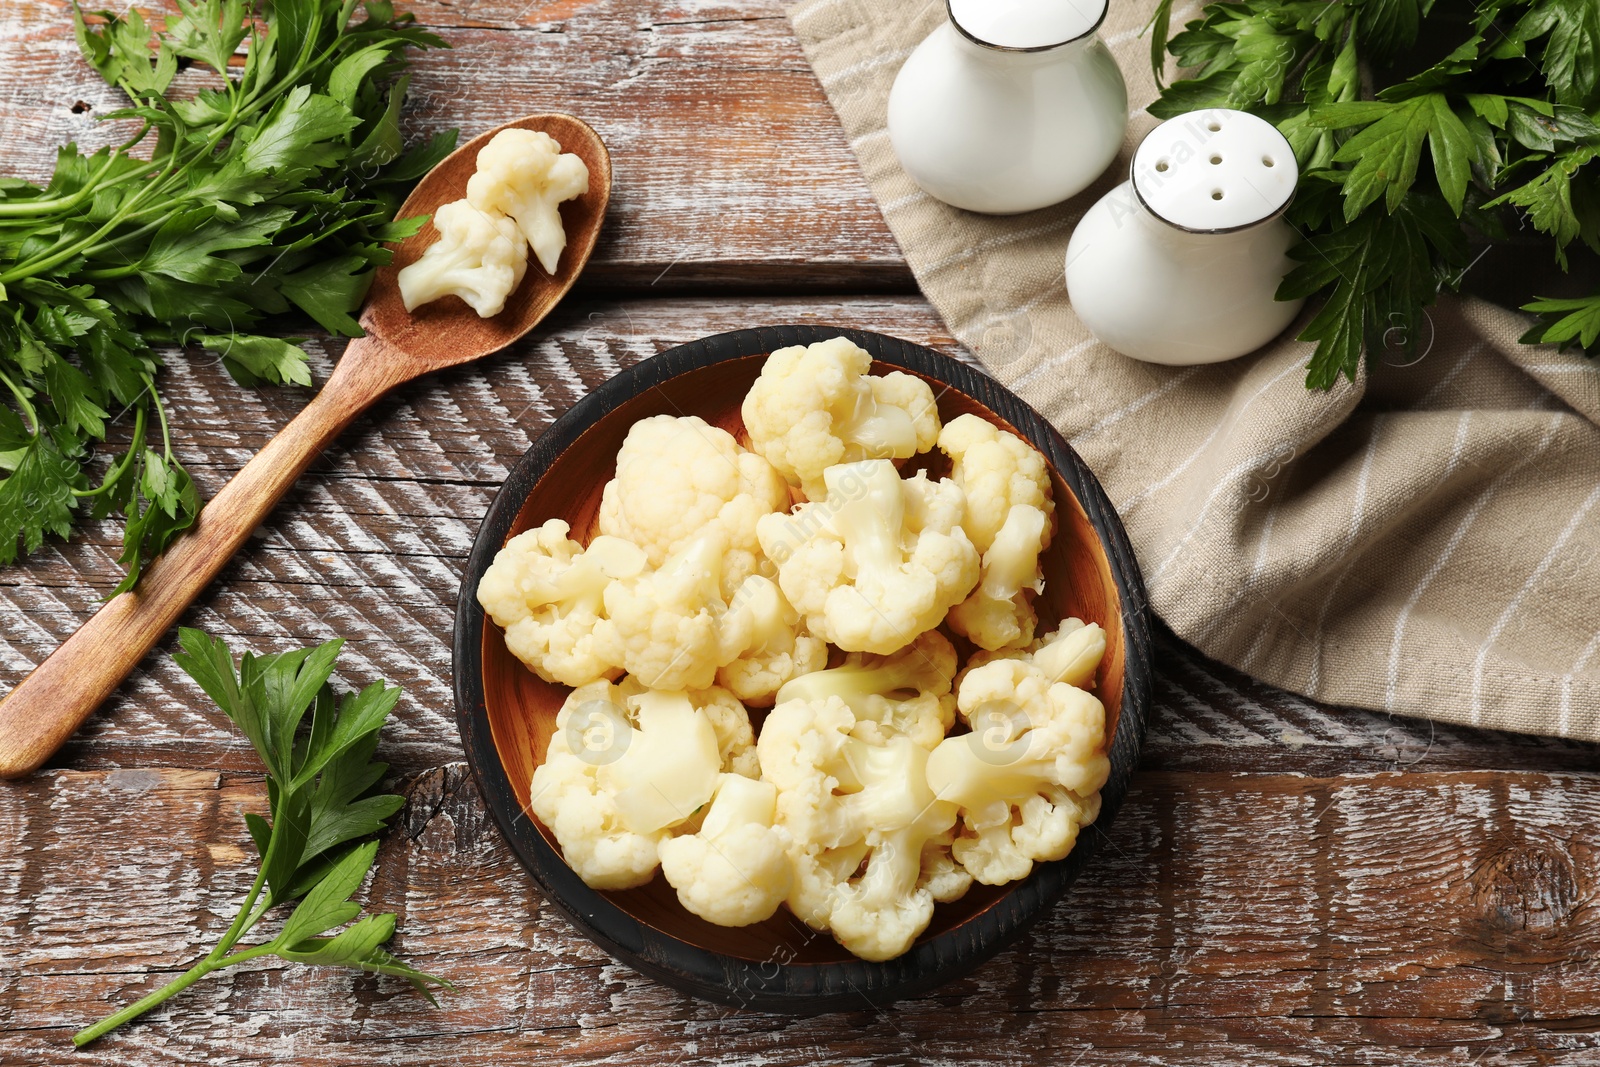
x,y
1215,170
1026,25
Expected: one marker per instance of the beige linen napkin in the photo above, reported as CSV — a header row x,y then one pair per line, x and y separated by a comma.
x,y
1425,541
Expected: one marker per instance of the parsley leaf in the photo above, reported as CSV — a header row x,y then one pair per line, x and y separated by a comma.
x,y
1385,153
36,497
1568,323
271,192
1570,58
320,790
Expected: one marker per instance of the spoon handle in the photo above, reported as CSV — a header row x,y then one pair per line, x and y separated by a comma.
x,y
44,710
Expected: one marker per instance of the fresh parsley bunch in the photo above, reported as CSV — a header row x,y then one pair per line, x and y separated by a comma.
x,y
273,190
1508,118
321,783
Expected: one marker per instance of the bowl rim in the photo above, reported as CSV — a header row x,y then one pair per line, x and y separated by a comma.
x,y
774,985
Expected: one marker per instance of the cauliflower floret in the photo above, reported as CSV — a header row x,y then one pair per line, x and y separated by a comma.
x,y
736,739
1009,513
620,772
817,406
999,613
997,471
524,174
479,257
867,831
735,870
676,477
1029,774
1068,654
780,649
547,591
673,626
906,693
876,563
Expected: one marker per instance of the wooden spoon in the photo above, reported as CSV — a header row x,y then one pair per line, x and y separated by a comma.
x,y
60,693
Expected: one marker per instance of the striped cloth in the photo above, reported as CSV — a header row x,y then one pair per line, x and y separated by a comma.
x,y
1424,541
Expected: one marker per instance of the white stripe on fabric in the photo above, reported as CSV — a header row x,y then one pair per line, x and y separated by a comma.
x,y
1133,406
904,201
1256,567
999,242
1516,602
1358,515
1457,450
1564,717
1467,356
1053,363
866,65
1177,471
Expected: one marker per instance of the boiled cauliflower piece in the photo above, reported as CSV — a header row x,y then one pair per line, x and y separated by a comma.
x,y
672,625
479,257
906,693
735,869
524,174
780,649
1009,519
677,477
621,771
547,591
997,471
876,563
867,832
1070,653
999,613
817,406
736,739
1029,774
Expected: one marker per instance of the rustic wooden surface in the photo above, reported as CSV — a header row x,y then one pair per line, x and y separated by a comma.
x,y
1288,884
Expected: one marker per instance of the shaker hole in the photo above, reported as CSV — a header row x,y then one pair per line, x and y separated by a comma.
x,y
1215,160
1267,161
1161,165
1216,194
1213,125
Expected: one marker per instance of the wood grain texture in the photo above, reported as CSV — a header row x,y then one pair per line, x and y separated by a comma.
x,y
1468,940
721,135
1287,884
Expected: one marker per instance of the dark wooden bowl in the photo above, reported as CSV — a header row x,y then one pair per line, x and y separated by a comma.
x,y
507,714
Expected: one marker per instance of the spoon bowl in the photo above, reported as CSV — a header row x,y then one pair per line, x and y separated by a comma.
x,y
446,332
47,706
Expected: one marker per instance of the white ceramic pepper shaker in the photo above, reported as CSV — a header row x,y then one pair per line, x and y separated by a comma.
x,y
1009,106
1180,264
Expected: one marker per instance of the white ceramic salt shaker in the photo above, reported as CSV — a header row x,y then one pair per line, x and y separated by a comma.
x,y
1009,106
1179,264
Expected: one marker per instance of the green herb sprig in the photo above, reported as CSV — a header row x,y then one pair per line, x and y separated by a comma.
x,y
1508,118
273,190
321,782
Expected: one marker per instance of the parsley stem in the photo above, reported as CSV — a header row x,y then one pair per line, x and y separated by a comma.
x,y
114,475
22,401
161,413
238,926
36,206
166,992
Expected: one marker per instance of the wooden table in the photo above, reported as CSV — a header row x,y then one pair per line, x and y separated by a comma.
x,y
1288,883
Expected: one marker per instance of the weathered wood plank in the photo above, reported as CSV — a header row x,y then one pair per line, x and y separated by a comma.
x,y
1277,919
730,165
369,547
